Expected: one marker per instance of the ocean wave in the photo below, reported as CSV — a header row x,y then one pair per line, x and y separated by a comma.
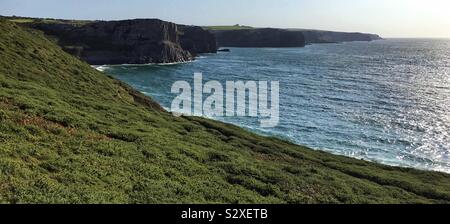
x,y
101,68
141,65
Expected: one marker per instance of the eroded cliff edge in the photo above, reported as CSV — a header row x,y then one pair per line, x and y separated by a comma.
x,y
139,41
145,41
319,36
269,37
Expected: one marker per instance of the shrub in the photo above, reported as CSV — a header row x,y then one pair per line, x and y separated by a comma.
x,y
3,115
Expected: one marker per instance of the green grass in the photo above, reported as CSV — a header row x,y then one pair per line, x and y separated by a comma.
x,y
235,27
22,20
71,134
28,20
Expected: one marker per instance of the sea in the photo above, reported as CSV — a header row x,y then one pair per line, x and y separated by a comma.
x,y
386,101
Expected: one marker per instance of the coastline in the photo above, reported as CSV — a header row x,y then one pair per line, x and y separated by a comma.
x,y
424,163
74,135
102,68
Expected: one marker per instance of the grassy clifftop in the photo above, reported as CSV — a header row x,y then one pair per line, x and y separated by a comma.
x,y
71,134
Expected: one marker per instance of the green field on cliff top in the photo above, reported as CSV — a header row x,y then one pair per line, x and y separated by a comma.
x,y
71,134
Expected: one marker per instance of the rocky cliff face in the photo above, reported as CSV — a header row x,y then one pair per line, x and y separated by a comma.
x,y
196,40
315,36
285,37
143,41
260,38
129,41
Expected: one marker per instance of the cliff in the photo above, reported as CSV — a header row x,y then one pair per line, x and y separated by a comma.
x,y
317,36
259,38
71,134
197,41
267,37
139,41
143,41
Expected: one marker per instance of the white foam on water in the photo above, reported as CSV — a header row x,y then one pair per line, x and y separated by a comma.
x,y
101,68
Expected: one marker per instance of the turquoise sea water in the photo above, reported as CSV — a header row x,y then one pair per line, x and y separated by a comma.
x,y
386,101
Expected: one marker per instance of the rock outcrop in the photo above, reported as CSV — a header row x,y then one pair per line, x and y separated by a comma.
x,y
143,41
139,41
317,36
267,37
196,40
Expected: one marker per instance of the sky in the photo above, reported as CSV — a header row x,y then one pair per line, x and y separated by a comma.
x,y
388,18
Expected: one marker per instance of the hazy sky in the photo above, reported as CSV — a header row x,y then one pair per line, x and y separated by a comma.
x,y
389,18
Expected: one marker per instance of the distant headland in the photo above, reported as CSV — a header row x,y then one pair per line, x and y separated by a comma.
x,y
246,36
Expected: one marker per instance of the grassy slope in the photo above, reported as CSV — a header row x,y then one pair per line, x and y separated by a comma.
x,y
70,134
27,20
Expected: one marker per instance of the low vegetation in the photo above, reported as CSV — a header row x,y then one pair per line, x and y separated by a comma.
x,y
71,134
30,20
